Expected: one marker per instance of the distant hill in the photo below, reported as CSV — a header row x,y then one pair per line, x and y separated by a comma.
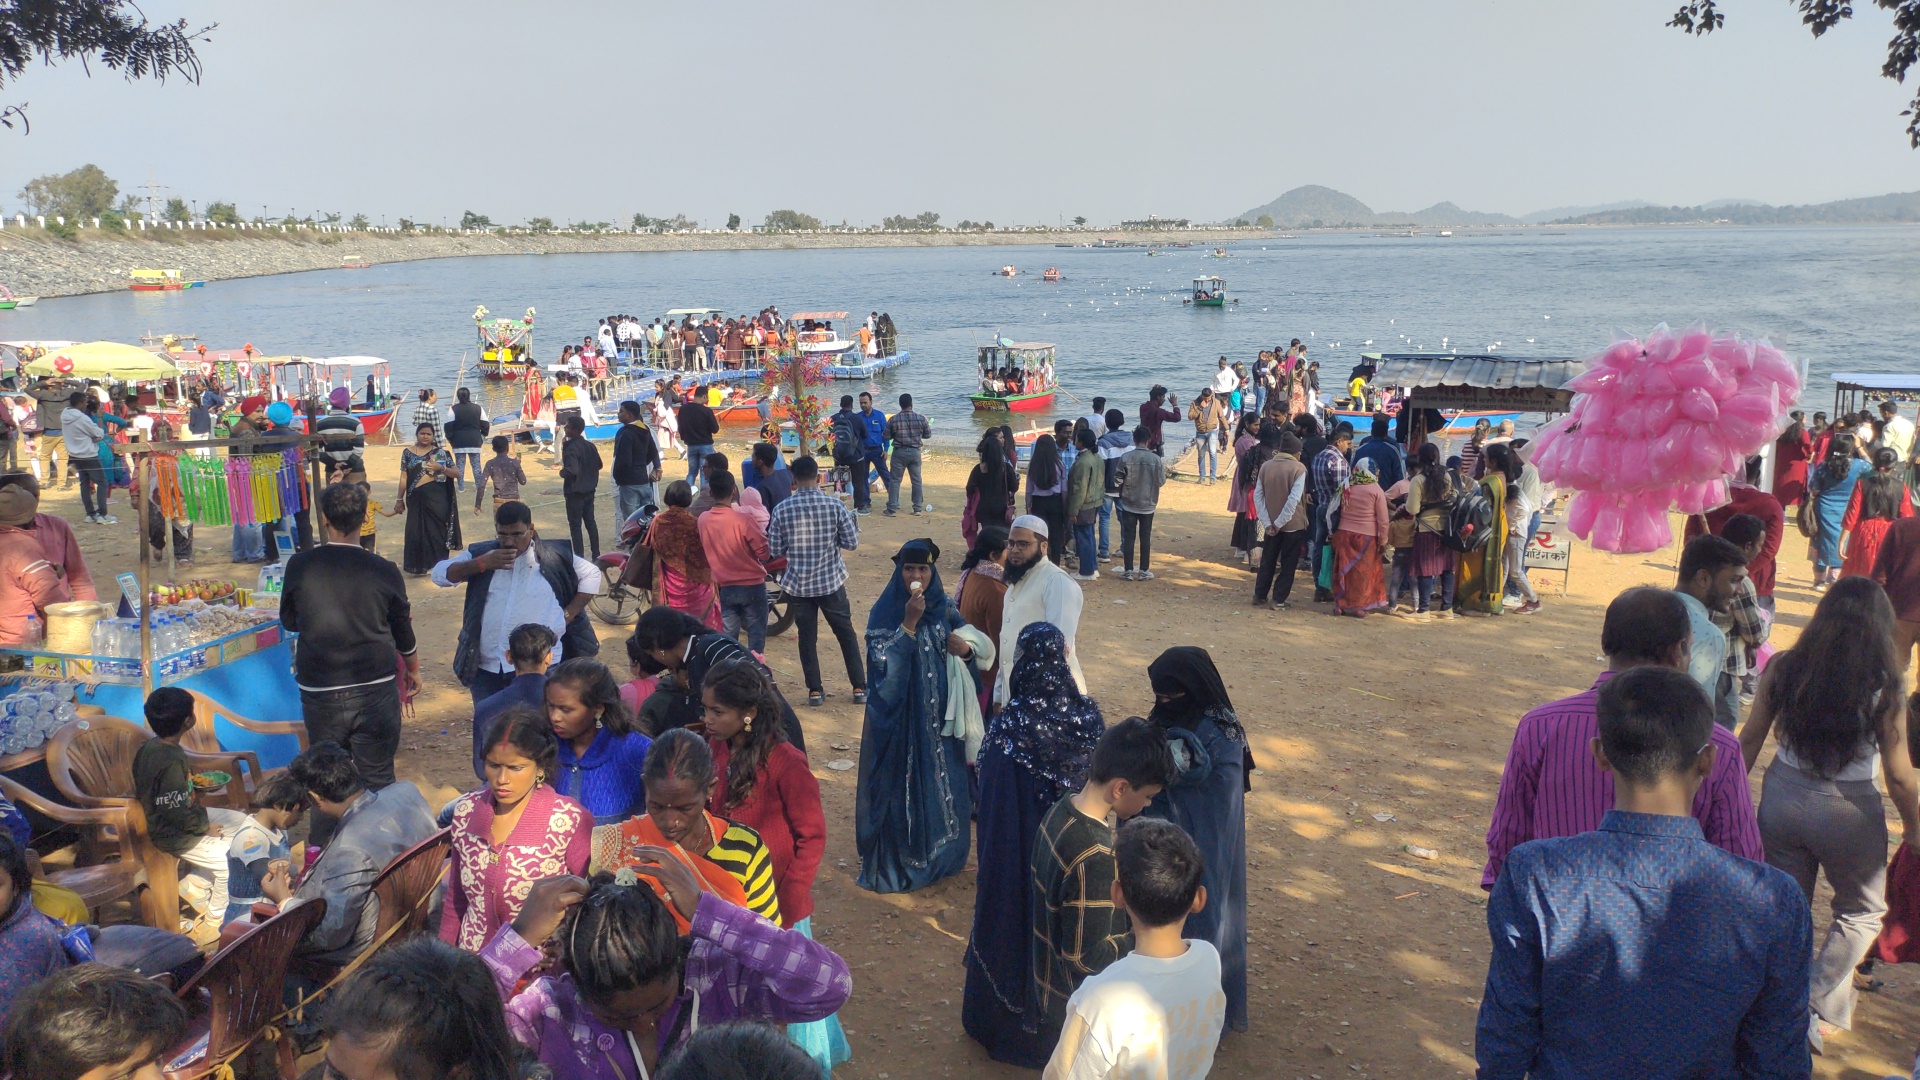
x,y
1876,210
1314,206
1561,213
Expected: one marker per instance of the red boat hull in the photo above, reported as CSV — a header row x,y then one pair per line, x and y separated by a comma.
x,y
1022,403
373,423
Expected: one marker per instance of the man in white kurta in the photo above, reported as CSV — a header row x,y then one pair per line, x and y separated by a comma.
x,y
1037,591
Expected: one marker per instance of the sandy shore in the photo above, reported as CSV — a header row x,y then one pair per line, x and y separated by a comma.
x,y
35,263
1364,960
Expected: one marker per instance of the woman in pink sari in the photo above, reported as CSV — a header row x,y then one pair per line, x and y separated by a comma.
x,y
681,577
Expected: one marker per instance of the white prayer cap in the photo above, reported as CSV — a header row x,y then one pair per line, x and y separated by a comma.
x,y
1036,525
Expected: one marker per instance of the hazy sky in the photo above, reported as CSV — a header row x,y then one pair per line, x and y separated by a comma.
x,y
1017,112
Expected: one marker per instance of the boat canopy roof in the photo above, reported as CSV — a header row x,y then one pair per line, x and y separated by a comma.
x,y
352,361
818,315
695,311
35,344
1412,370
1864,380
1210,278
144,273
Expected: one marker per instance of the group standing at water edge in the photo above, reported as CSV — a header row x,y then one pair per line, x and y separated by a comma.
x,y
632,880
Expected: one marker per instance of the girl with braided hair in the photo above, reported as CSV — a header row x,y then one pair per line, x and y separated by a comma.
x,y
630,988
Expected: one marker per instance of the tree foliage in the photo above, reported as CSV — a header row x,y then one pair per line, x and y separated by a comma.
x,y
471,220
925,222
86,192
223,213
112,33
176,211
676,223
733,222
358,221
1265,221
1079,222
539,224
1702,17
791,221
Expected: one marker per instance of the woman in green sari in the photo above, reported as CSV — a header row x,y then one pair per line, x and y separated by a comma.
x,y
1483,576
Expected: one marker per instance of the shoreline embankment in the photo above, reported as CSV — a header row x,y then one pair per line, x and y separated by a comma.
x,y
34,262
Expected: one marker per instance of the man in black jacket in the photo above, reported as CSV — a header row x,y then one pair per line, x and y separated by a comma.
x,y
636,464
350,608
580,467
698,426
466,433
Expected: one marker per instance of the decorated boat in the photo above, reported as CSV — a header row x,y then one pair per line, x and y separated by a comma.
x,y
1015,376
506,345
1209,291
8,301
173,280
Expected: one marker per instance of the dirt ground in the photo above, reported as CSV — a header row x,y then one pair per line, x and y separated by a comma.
x,y
1364,961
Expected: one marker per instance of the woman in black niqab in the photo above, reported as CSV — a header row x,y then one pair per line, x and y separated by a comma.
x,y
1207,798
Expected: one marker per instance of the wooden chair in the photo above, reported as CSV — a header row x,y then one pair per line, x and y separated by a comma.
x,y
204,738
239,992
91,764
104,882
402,890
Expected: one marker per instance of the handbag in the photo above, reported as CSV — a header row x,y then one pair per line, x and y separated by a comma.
x,y
970,518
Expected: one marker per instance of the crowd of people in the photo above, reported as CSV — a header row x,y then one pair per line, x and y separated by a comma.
x,y
632,874
707,342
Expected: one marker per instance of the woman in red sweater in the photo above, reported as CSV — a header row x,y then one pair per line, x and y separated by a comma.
x,y
764,782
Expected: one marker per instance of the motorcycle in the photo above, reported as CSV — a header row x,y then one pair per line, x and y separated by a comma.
x,y
626,576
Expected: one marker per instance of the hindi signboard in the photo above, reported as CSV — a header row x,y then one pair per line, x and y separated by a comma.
x,y
1551,549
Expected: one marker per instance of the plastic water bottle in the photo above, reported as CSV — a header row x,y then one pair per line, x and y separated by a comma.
x,y
35,633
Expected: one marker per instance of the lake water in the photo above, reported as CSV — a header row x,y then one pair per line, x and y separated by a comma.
x,y
1845,299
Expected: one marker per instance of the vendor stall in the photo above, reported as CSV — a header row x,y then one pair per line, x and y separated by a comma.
x,y
1470,387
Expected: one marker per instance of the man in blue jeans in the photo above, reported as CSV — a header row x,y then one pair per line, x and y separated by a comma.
x,y
636,464
906,430
1113,446
698,426
737,556
874,444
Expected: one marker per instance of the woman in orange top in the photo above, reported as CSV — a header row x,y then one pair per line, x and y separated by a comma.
x,y
729,859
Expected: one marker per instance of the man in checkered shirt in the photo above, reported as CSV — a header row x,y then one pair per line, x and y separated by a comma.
x,y
809,529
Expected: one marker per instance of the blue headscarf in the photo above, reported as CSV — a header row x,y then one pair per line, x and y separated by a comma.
x,y
891,609
1048,726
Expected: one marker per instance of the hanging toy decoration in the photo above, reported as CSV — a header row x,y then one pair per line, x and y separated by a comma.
x,y
1661,425
794,374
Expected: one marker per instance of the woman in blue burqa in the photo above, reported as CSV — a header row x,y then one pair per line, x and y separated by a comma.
x,y
1211,770
913,809
1037,752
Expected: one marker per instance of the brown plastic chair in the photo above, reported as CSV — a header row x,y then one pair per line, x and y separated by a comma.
x,y
402,890
204,738
239,992
104,882
91,764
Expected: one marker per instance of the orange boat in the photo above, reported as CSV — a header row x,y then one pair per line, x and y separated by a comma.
x,y
1050,275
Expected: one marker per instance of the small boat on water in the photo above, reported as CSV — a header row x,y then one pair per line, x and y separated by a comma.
x,y
1006,271
1050,275
1209,291
506,345
302,377
848,358
1015,376
354,262
8,301
171,280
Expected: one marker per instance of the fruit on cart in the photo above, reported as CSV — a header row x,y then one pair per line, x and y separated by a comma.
x,y
198,589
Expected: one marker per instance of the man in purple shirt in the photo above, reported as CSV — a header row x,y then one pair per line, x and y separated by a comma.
x,y
1551,785
1159,408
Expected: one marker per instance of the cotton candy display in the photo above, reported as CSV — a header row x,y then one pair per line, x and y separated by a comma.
x,y
1660,425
